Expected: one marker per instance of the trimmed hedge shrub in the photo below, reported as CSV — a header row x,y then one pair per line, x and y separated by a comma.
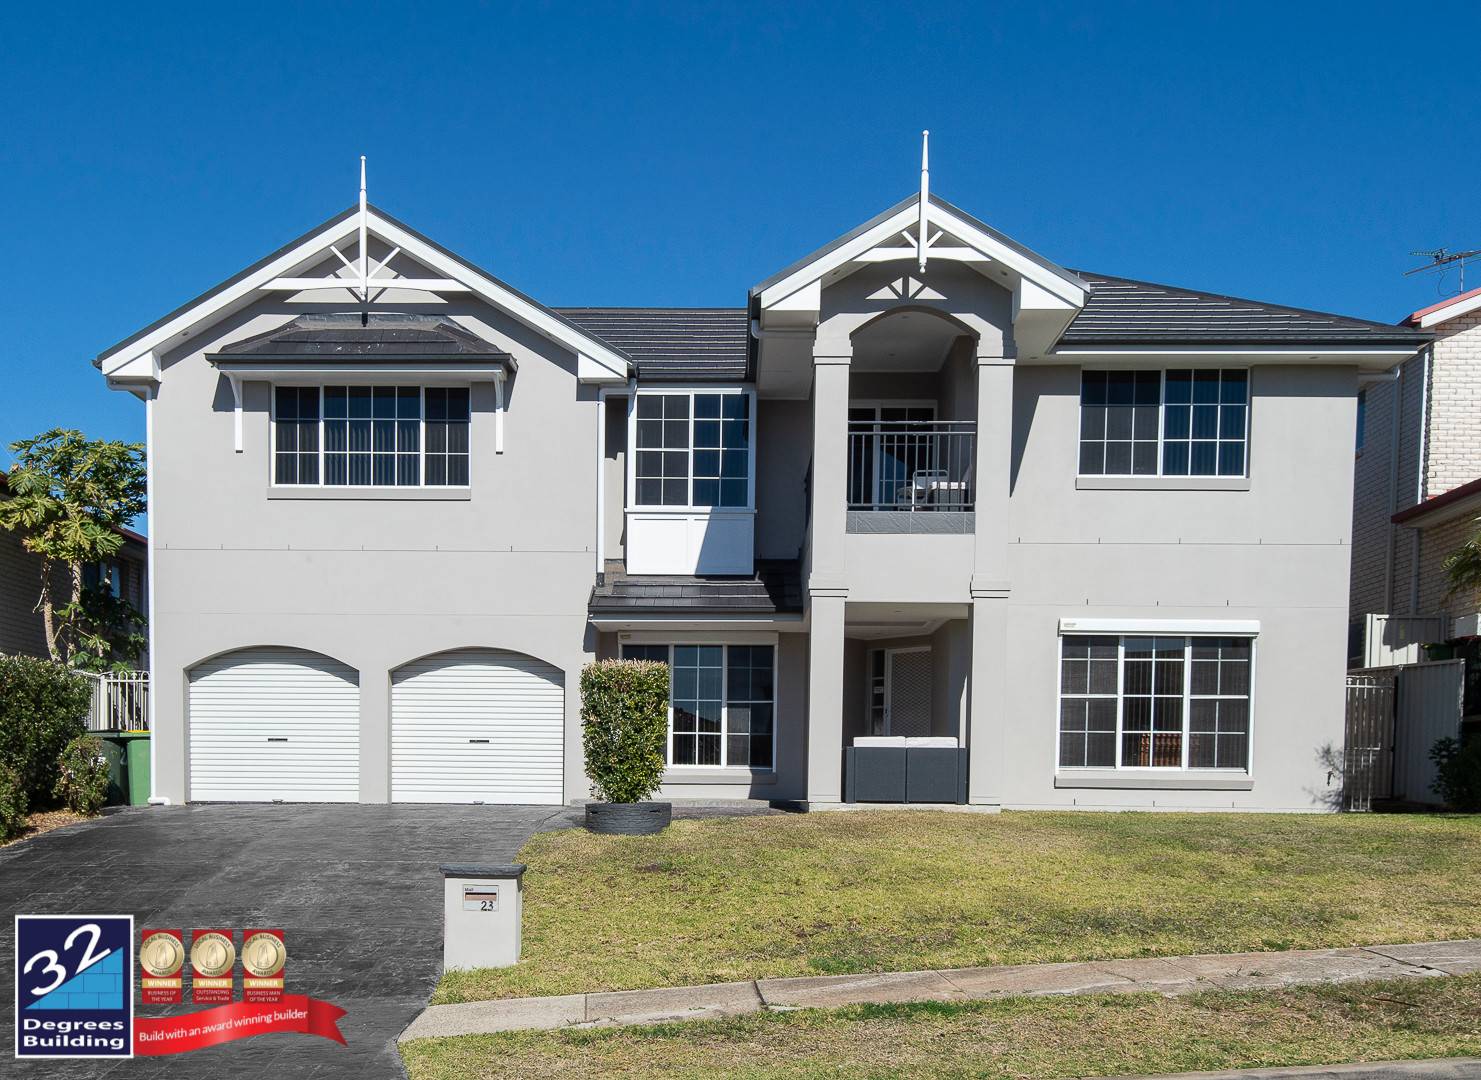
x,y
43,707
1458,773
624,727
13,804
82,776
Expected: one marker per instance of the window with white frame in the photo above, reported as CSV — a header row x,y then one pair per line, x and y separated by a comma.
x,y
1179,422
370,436
692,449
1154,702
722,703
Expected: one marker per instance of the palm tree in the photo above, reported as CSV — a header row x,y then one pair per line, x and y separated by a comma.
x,y
1463,565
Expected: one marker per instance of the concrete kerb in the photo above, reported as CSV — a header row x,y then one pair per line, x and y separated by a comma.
x,y
1168,976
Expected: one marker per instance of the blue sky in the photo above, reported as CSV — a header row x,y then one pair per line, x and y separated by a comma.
x,y
676,154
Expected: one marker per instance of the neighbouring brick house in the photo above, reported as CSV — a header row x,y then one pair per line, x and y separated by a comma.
x,y
1417,489
21,629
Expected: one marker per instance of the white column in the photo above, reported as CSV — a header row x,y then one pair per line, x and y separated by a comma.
x,y
825,700
991,581
827,581
826,569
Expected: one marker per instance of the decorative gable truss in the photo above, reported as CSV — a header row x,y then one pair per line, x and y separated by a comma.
x,y
334,263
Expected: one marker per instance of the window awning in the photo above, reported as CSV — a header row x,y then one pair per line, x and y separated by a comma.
x,y
385,346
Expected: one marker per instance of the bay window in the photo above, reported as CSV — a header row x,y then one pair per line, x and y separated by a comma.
x,y
1179,422
692,449
722,702
1154,702
370,436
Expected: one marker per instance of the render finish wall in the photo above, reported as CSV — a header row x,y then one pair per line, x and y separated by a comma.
x,y
373,582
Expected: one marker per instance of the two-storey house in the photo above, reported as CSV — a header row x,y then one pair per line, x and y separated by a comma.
x,y
925,487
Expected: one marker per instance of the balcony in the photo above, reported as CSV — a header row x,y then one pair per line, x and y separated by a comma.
x,y
911,476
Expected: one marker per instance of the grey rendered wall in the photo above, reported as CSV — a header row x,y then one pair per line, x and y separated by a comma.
x,y
374,583
1277,553
614,475
783,447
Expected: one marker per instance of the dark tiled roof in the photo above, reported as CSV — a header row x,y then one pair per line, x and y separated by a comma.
x,y
775,589
388,335
674,343
1122,311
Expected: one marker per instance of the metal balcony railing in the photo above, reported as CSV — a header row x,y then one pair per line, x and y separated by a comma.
x,y
120,701
911,466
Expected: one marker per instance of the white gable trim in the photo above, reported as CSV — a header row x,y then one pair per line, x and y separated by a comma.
x,y
598,362
981,249
1463,305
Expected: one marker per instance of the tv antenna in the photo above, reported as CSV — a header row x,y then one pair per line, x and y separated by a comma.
x,y
1441,259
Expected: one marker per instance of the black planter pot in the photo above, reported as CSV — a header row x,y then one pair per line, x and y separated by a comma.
x,y
628,819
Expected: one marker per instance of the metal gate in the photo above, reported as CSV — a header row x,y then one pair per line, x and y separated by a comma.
x,y
1368,752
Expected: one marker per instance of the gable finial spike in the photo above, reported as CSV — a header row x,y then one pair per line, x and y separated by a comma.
x,y
364,243
925,197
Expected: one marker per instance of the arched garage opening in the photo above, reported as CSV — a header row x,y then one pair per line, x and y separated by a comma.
x,y
274,724
477,726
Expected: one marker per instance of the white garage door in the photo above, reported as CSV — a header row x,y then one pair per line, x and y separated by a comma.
x,y
274,724
477,725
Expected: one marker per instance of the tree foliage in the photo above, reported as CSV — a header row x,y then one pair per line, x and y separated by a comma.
x,y
82,776
1463,565
69,496
43,707
624,727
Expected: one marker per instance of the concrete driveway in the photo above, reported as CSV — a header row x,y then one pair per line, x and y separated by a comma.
x,y
356,890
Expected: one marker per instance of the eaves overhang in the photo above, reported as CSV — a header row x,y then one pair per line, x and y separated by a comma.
x,y
137,357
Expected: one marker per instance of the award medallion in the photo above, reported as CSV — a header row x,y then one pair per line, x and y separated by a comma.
x,y
212,956
161,956
263,959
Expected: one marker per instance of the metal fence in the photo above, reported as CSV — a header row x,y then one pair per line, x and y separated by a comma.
x,y
120,701
1368,751
1394,716
911,465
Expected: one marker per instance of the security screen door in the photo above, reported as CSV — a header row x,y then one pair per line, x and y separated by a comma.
x,y
900,692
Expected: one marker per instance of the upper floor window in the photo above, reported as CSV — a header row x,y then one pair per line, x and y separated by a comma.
x,y
692,449
371,436
1181,422
1362,417
103,575
1154,702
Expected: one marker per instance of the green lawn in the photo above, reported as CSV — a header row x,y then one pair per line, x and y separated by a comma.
x,y
743,898
1007,1038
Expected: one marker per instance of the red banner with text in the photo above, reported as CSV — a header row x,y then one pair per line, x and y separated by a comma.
x,y
209,1027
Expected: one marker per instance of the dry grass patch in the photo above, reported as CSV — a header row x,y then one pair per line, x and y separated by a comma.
x,y
1007,1039
741,898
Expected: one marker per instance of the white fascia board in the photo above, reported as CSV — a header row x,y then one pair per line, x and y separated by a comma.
x,y
132,364
839,256
1445,314
532,315
988,249
1187,627
316,247
999,252
236,296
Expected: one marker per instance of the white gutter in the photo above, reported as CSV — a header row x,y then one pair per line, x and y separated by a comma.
x,y
1397,412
